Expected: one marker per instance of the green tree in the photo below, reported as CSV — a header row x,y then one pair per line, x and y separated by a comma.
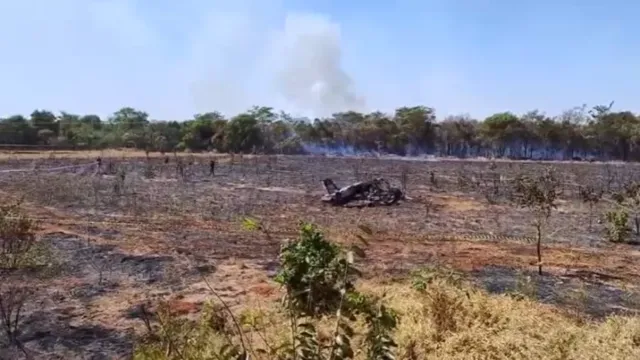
x,y
242,134
129,118
499,131
417,123
93,121
16,130
43,119
199,133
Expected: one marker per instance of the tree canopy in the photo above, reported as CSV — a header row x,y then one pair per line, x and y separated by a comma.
x,y
580,132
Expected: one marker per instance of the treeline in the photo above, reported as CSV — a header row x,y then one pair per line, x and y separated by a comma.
x,y
581,132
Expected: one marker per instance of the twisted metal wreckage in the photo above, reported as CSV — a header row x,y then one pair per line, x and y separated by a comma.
x,y
365,193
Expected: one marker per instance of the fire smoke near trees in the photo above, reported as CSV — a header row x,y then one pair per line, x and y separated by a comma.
x,y
311,76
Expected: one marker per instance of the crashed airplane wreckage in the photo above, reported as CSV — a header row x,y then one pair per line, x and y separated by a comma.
x,y
361,194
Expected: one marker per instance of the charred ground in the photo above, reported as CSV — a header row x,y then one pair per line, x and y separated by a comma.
x,y
141,229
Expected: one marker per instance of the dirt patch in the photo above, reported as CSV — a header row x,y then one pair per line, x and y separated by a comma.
x,y
458,204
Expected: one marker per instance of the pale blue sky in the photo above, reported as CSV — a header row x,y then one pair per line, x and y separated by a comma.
x,y
176,58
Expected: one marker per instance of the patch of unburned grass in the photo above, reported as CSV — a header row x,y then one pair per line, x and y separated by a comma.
x,y
450,322
441,320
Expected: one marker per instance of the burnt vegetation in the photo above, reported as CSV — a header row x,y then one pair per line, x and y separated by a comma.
x,y
577,134
172,246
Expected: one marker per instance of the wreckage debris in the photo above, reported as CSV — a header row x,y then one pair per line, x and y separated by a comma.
x,y
365,193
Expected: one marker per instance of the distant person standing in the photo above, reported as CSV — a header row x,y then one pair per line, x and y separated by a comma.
x,y
212,167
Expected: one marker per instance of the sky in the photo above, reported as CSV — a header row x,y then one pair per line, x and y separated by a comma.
x,y
174,59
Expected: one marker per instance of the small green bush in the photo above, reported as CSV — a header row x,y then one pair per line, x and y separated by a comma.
x,y
17,238
618,230
318,278
314,272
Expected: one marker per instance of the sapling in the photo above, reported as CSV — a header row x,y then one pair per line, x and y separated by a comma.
x,y
591,196
538,194
632,197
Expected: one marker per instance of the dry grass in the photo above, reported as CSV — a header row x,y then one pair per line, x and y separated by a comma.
x,y
447,322
453,321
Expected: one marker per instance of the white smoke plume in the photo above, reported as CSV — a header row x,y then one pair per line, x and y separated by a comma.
x,y
173,60
310,74
258,55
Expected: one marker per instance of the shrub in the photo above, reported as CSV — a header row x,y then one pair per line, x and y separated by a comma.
x,y
314,272
317,276
17,238
539,195
618,230
18,251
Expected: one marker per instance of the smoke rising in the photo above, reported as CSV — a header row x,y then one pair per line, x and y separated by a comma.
x,y
311,76
292,61
173,59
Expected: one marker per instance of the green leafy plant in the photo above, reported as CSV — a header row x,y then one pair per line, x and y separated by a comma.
x,y
328,268
17,237
314,272
618,230
539,195
628,198
381,321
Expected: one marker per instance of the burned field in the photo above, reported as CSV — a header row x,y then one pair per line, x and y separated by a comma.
x,y
136,230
